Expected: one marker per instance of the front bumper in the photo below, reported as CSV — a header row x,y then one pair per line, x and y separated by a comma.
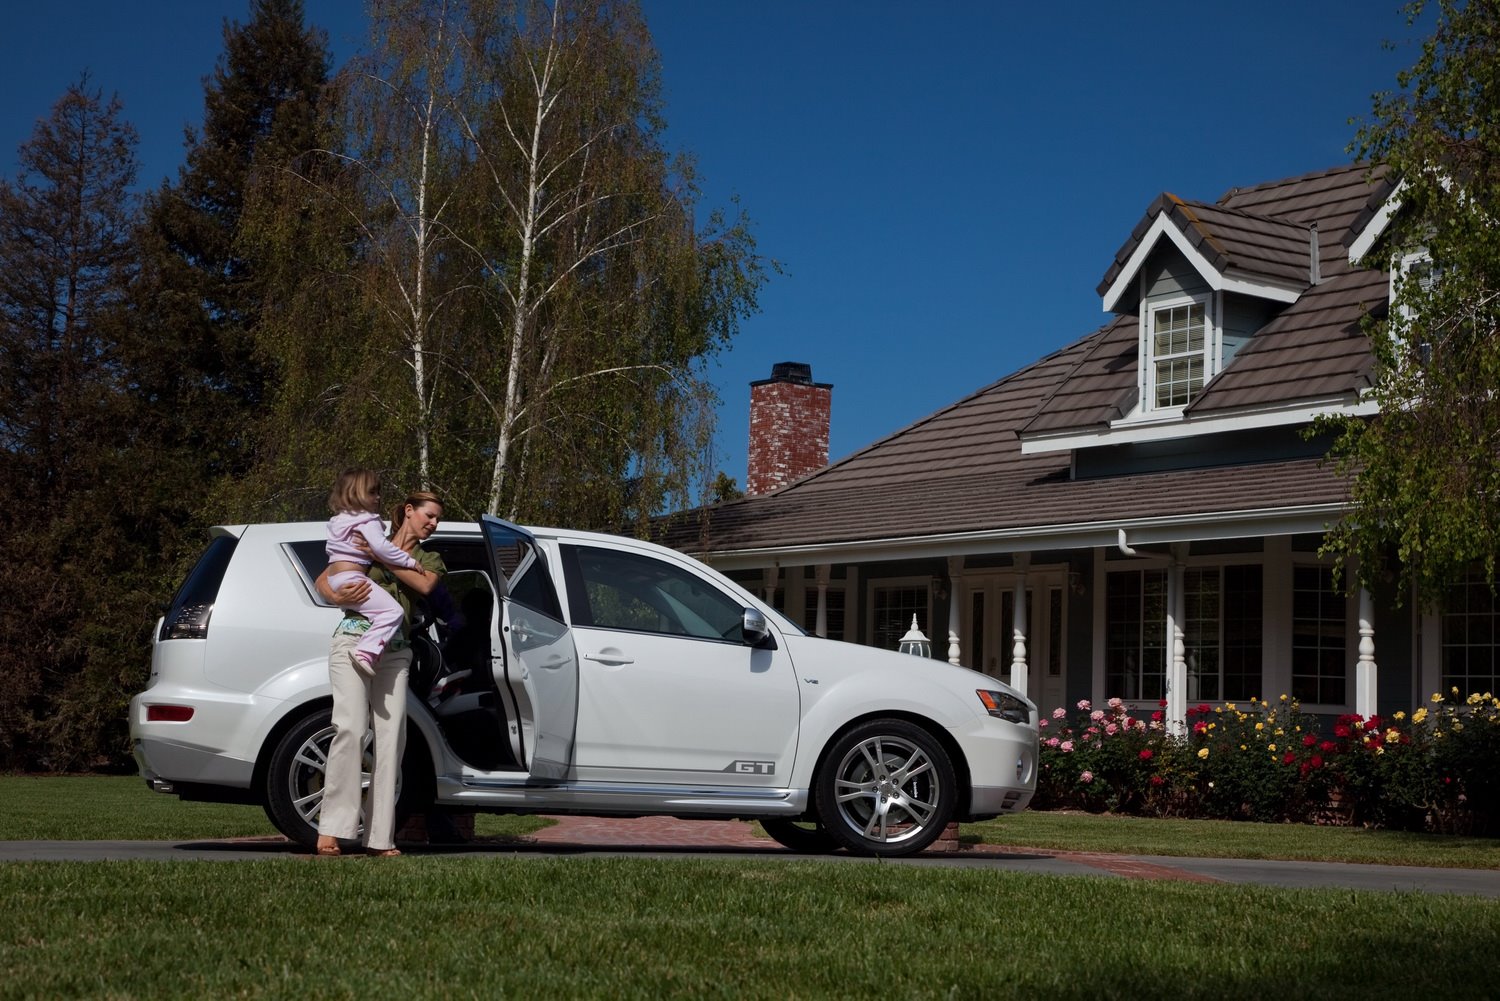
x,y
1002,758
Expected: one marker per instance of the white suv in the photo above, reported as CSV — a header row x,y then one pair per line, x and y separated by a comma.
x,y
578,673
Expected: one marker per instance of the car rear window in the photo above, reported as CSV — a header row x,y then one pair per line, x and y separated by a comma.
x,y
187,617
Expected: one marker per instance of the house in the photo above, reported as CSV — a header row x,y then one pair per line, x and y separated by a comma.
x,y
1140,513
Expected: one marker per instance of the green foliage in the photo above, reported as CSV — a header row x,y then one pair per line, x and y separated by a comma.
x,y
1423,472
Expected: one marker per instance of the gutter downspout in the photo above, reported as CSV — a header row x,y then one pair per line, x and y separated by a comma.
x,y
1124,548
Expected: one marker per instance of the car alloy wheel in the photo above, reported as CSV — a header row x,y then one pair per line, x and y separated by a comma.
x,y
886,788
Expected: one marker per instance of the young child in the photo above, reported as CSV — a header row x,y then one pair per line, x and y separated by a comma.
x,y
355,503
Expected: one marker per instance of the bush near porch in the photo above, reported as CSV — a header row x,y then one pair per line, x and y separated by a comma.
x,y
1435,769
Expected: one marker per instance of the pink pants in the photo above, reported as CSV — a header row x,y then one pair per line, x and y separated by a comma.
x,y
383,611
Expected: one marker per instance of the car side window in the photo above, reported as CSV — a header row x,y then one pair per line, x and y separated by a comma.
x,y
609,589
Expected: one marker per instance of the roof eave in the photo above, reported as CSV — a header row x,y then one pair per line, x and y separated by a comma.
x,y
1217,280
1217,525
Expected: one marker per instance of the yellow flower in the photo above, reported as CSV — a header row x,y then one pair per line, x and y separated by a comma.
x,y
1202,752
1457,726
1283,697
1473,700
1399,717
1280,732
1259,727
1212,725
1242,747
1393,735
1271,746
1230,706
1380,749
1455,690
1420,716
1437,696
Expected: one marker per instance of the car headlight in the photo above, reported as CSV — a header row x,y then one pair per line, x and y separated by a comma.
x,y
1004,706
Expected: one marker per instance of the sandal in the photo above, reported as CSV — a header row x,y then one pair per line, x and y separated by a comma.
x,y
382,852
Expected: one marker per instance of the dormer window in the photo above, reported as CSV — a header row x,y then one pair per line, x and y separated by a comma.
x,y
1176,353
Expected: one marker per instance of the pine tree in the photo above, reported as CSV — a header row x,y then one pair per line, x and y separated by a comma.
x,y
202,295
65,263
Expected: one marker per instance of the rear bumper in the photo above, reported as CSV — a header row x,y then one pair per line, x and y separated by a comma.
x,y
192,751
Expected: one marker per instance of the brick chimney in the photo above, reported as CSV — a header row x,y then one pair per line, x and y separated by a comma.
x,y
789,416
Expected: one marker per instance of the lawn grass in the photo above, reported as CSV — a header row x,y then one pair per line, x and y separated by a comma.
x,y
1067,831
121,808
529,927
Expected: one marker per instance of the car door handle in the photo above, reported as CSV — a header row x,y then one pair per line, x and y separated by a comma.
x,y
608,659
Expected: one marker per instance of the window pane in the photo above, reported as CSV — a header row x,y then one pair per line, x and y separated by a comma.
x,y
892,612
1319,661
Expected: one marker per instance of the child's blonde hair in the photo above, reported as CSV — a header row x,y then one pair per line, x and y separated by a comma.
x,y
355,490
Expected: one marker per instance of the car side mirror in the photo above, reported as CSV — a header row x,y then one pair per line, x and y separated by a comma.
x,y
754,627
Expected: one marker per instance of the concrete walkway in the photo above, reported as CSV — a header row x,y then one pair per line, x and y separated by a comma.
x,y
665,837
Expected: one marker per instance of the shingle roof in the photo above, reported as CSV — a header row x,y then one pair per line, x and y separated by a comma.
x,y
961,469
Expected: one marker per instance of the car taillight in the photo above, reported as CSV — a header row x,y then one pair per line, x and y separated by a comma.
x,y
190,622
168,714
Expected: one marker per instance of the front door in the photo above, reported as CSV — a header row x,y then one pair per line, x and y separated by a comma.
x,y
673,693
990,632
533,655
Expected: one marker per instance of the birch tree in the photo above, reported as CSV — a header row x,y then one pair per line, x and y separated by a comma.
x,y
600,292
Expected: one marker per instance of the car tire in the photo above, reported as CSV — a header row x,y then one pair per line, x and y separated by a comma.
x,y
295,775
801,836
886,787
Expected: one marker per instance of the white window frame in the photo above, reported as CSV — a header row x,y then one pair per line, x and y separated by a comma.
x,y
1212,338
878,583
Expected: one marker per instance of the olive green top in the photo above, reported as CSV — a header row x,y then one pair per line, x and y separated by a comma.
x,y
355,624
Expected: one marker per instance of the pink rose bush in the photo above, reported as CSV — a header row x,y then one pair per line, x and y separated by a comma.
x,y
1434,769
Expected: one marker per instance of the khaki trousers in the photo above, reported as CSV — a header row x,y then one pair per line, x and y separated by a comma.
x,y
362,702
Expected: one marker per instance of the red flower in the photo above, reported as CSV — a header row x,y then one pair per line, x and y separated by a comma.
x,y
1157,716
1316,761
1309,740
1373,723
1288,758
1147,754
1342,730
1328,747
1157,780
1162,703
1200,727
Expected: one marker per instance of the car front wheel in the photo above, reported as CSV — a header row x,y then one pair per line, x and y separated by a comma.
x,y
886,787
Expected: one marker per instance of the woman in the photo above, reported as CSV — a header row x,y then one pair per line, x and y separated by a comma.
x,y
359,697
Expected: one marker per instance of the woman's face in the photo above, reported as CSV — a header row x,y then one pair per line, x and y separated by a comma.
x,y
422,519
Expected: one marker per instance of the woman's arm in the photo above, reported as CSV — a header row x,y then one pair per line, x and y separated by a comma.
x,y
386,551
419,580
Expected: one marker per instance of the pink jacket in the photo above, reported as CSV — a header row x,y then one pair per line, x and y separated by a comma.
x,y
344,526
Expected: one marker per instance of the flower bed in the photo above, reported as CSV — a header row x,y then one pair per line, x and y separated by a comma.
x,y
1436,769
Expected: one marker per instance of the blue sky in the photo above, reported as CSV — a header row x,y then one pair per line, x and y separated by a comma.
x,y
944,182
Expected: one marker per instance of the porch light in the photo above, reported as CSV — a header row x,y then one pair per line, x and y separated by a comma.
x,y
914,642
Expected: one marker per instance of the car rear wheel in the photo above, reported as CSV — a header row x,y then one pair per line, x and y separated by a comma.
x,y
296,775
803,836
886,787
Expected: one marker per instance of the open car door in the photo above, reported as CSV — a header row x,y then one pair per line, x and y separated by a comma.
x,y
533,651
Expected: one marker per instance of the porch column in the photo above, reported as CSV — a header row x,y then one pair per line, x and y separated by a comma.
x,y
1018,669
1364,669
822,572
1177,667
955,568
771,576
